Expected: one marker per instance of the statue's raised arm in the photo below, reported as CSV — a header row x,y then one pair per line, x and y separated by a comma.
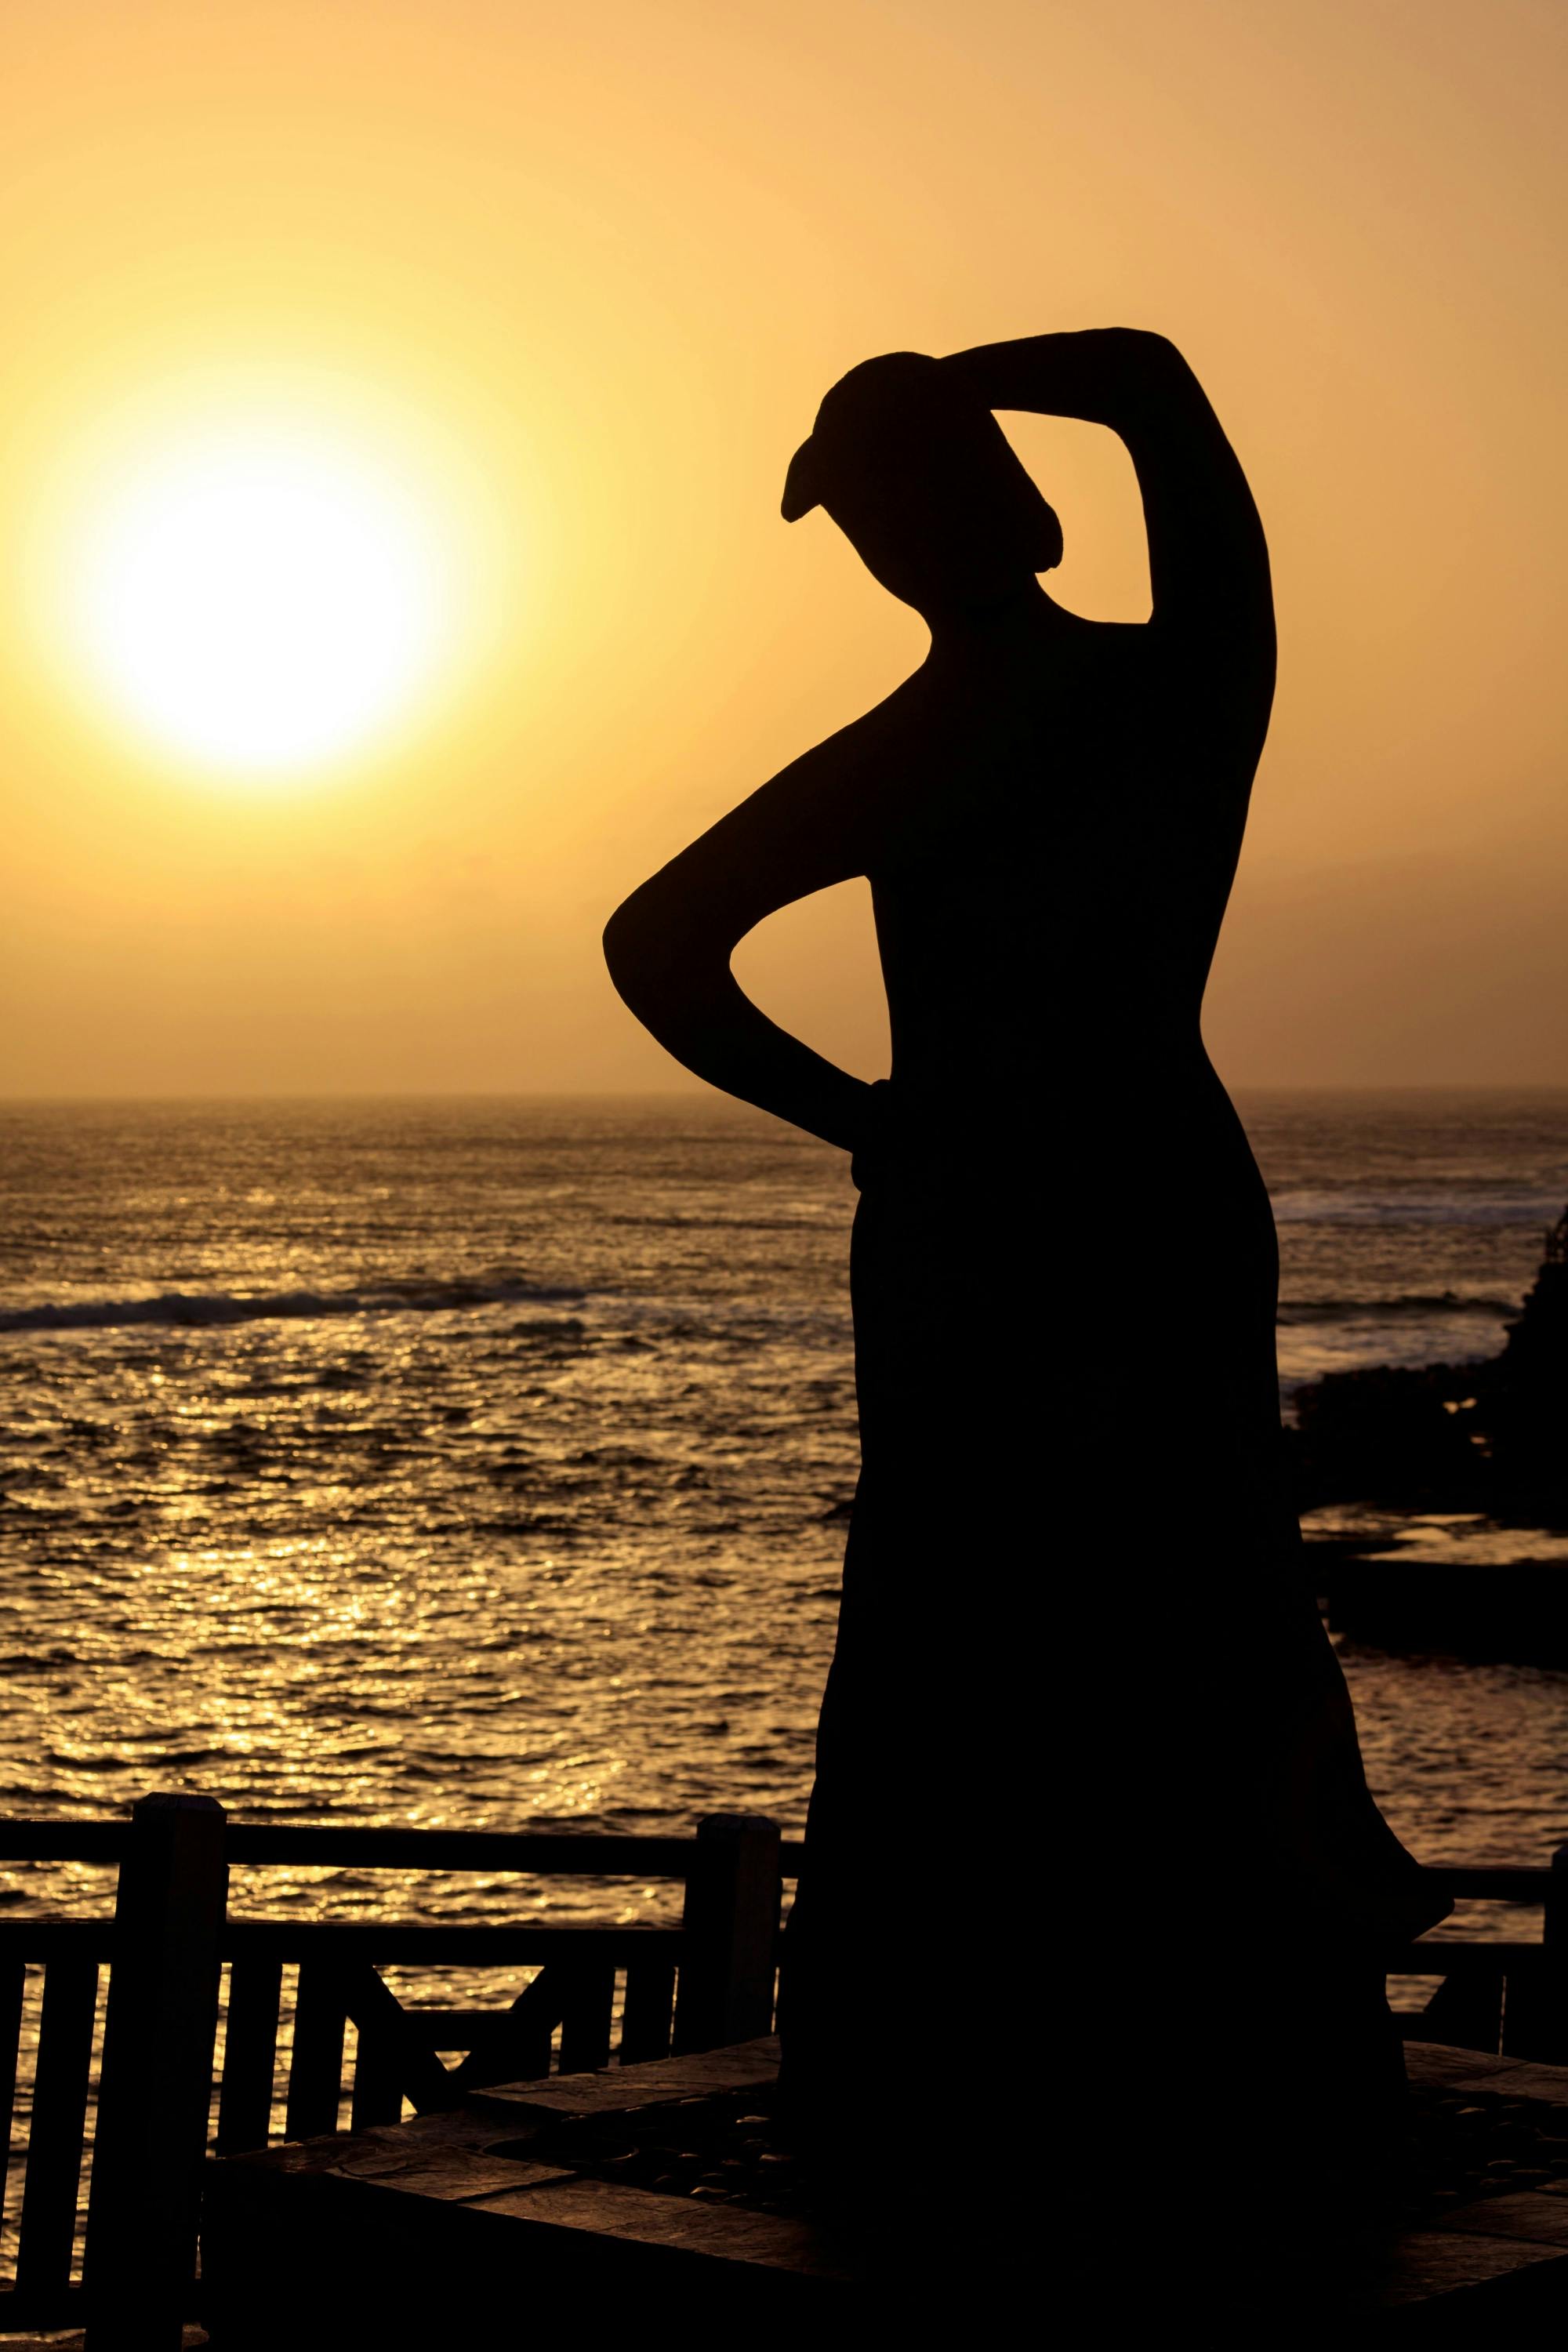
x,y
1208,562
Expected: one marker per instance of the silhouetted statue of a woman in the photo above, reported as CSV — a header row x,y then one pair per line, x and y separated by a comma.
x,y
1087,1782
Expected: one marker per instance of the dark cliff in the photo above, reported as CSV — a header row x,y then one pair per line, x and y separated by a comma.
x,y
1489,1435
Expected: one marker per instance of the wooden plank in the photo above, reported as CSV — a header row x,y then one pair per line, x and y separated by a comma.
x,y
392,1942
316,2060
649,2008
389,1943
250,2054
747,2067
59,2113
642,2216
349,2152
530,1852
1519,2078
1540,2219
1439,1955
455,2173
1495,1883
12,1986
47,2334
1421,2265
308,1846
518,2051
30,2322
100,1842
1445,2065
38,1940
587,2016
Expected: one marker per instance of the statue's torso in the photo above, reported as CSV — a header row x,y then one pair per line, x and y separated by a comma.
x,y
1055,873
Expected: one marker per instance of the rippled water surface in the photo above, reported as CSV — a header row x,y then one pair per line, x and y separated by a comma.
x,y
485,1464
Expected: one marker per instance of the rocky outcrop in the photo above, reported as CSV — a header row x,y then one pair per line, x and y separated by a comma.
x,y
1489,1435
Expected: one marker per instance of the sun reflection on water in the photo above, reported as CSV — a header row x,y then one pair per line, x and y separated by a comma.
x,y
518,1503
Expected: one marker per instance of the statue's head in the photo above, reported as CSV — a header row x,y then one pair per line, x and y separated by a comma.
x,y
922,480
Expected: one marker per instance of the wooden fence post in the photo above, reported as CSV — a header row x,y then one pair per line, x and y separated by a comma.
x,y
1554,1936
1467,2010
1535,2010
156,2084
1554,1928
730,1926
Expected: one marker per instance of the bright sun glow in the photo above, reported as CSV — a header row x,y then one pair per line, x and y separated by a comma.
x,y
259,596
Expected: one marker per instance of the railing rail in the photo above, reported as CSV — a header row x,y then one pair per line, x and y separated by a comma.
x,y
1500,1882
278,2000
313,1846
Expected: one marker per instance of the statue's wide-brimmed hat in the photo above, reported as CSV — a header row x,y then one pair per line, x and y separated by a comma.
x,y
888,413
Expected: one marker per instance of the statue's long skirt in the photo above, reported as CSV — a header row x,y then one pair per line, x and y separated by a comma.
x,y
1092,1865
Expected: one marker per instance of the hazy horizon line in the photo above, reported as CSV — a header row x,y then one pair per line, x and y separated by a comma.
x,y
698,1092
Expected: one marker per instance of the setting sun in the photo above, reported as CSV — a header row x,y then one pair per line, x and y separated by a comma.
x,y
257,596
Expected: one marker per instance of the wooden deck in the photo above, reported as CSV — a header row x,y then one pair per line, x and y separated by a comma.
x,y
1487,2262
377,2237
381,2231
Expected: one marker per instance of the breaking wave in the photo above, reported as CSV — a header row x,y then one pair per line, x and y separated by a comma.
x,y
1360,1205
1415,1304
180,1309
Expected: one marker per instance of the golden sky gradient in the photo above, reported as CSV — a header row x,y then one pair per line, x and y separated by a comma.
x,y
582,274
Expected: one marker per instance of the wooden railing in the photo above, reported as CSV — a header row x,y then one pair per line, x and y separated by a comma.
x,y
1504,1997
117,2021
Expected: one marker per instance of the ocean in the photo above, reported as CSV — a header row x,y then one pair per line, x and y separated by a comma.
x,y
486,1463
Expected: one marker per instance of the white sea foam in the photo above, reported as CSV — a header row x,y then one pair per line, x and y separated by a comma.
x,y
184,1310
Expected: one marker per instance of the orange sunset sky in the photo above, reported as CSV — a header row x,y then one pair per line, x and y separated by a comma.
x,y
554,291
